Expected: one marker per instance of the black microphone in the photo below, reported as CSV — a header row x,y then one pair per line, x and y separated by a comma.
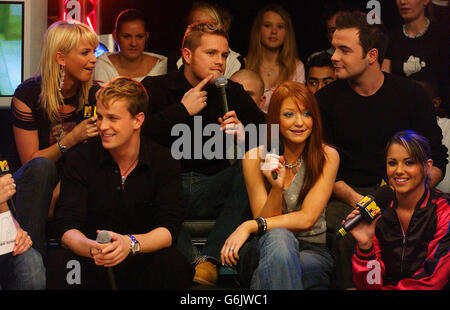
x,y
370,207
275,151
104,237
4,169
221,83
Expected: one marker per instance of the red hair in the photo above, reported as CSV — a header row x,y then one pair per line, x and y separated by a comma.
x,y
313,153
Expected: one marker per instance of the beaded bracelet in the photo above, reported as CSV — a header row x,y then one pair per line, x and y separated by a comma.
x,y
262,225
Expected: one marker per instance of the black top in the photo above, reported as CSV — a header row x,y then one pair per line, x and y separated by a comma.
x,y
92,197
166,111
29,93
360,126
423,59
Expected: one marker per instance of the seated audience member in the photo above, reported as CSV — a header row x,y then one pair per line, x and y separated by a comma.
x,y
47,120
360,111
319,72
329,14
409,243
202,11
443,121
419,47
187,100
23,268
272,51
131,60
289,250
128,186
252,83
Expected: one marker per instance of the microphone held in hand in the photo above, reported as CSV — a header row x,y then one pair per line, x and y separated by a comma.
x,y
104,237
4,169
370,207
274,155
221,82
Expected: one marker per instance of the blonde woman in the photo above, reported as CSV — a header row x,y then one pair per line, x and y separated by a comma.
x,y
273,50
47,120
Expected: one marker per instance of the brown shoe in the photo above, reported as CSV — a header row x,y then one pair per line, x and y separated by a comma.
x,y
206,273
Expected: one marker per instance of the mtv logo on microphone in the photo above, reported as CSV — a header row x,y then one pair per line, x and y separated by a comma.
x,y
90,111
4,167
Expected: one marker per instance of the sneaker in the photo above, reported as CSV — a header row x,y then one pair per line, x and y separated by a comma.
x,y
206,273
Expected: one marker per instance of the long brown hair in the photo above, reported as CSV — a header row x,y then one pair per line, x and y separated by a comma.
x,y
313,153
288,53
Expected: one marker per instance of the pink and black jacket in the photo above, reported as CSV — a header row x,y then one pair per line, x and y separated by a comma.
x,y
416,260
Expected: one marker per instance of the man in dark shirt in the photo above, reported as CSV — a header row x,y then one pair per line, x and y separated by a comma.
x,y
361,111
130,187
187,102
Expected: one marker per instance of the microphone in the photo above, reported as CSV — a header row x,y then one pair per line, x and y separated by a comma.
x,y
104,237
4,169
274,156
370,207
221,82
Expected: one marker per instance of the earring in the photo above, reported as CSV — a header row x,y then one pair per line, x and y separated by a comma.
x,y
62,74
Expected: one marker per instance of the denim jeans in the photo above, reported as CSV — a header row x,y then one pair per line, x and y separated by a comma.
x,y
221,197
22,272
277,260
35,182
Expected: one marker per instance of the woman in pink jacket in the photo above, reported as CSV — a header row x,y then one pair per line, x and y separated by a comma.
x,y
408,247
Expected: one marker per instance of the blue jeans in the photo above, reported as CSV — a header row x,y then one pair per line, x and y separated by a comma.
x,y
35,182
277,260
221,197
22,272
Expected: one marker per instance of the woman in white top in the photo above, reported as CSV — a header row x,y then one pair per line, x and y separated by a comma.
x,y
273,51
131,36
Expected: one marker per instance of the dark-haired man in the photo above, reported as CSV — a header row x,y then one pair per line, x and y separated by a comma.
x,y
361,111
319,72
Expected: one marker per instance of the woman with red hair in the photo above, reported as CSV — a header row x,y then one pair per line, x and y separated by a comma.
x,y
288,195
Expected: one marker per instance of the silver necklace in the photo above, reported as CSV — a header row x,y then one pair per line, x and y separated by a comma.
x,y
123,176
420,33
293,166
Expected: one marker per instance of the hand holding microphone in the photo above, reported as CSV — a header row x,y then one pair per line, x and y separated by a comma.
x,y
104,237
369,209
7,186
273,167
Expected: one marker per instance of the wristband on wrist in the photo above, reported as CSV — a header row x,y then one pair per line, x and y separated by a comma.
x,y
262,225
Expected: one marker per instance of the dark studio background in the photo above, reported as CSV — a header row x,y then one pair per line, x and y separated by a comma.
x,y
166,24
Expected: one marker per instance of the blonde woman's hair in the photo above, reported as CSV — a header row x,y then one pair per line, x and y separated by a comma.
x,y
220,15
61,36
288,53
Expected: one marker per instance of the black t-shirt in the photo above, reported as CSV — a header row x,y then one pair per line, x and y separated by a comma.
x,y
29,93
166,111
423,59
92,196
360,126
